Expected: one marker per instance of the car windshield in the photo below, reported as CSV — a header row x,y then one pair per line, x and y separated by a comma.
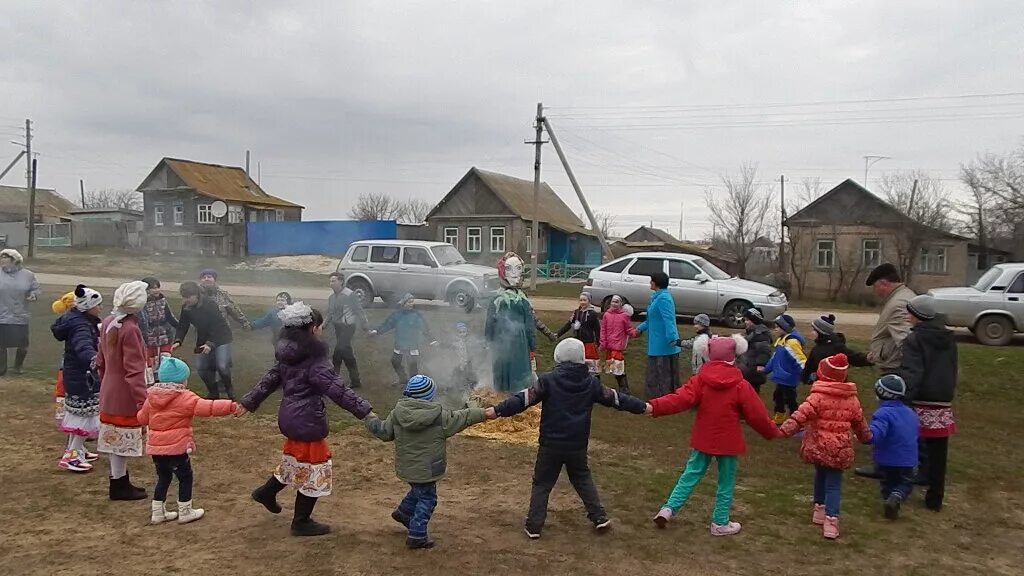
x,y
711,270
447,255
988,279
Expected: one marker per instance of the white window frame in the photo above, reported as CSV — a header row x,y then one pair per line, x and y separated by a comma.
x,y
236,214
474,235
829,252
529,240
497,241
204,214
279,215
875,253
158,215
933,260
451,235
179,214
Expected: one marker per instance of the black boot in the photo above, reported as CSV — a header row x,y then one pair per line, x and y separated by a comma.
x,y
419,543
19,360
3,361
122,489
267,495
402,519
302,524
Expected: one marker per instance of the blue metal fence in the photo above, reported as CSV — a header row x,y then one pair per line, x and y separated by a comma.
x,y
329,237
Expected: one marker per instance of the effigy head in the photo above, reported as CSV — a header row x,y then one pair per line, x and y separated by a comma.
x,y
510,270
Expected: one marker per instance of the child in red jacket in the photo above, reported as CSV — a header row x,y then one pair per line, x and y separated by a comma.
x,y
722,398
615,327
168,411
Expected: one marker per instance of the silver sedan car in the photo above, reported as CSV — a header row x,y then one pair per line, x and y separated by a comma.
x,y
696,285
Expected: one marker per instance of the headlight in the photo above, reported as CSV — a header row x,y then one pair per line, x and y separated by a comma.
x,y
777,297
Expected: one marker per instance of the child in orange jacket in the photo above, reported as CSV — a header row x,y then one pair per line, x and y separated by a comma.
x,y
830,413
169,409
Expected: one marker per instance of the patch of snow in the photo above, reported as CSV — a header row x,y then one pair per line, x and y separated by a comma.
x,y
312,263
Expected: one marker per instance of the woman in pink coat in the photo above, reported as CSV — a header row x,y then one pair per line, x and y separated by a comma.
x,y
121,363
168,412
830,414
615,327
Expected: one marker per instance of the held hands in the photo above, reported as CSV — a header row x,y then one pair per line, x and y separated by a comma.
x,y
240,410
175,346
372,332
649,410
490,413
760,369
371,416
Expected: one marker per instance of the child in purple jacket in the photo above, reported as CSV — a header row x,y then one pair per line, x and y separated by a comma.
x,y
305,375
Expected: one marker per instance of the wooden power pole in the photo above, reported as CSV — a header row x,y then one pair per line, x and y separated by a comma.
x,y
535,227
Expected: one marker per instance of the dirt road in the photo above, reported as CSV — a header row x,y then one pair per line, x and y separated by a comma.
x,y
248,292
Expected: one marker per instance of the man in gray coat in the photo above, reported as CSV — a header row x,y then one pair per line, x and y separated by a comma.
x,y
892,328
345,313
18,288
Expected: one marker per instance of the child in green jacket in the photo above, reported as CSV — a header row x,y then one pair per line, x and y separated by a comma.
x,y
420,428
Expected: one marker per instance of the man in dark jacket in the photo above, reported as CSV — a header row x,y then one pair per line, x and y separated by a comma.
x,y
213,338
568,393
828,343
759,348
345,314
929,369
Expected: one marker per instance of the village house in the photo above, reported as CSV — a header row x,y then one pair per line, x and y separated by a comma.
x,y
51,207
648,239
835,241
487,214
182,199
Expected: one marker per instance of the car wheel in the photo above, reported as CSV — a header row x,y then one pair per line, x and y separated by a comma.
x,y
462,298
994,331
732,315
362,290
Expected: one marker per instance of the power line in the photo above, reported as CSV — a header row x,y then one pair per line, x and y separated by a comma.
x,y
803,123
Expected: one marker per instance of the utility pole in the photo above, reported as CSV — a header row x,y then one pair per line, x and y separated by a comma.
x,y
579,193
782,223
81,188
535,227
28,155
680,221
32,210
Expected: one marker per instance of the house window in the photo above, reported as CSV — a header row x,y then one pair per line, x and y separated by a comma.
x,y
825,254
473,239
235,215
451,236
279,214
529,240
932,260
179,215
204,214
254,215
872,250
158,215
497,238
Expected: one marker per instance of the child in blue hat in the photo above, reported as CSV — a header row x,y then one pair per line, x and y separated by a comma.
x,y
419,428
894,432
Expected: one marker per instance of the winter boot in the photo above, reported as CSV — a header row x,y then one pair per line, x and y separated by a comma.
x,y
302,523
602,523
402,519
267,495
831,528
160,514
3,361
819,515
186,513
663,516
727,529
419,543
122,489
19,360
74,461
891,508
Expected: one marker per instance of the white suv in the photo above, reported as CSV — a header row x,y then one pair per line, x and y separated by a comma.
x,y
696,285
427,270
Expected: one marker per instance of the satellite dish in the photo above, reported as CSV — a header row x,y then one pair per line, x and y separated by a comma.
x,y
219,209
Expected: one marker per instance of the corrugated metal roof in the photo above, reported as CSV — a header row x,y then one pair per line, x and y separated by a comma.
x,y
518,195
228,183
48,202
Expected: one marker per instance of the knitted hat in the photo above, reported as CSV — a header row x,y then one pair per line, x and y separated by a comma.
x,y
86,298
786,322
825,325
884,271
208,272
405,299
12,254
570,350
726,348
754,315
295,315
834,368
702,320
922,307
890,387
172,370
420,387
64,303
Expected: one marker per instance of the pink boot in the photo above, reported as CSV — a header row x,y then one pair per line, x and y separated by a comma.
x,y
831,528
819,514
663,516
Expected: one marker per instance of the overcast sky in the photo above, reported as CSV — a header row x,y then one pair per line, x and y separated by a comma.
x,y
652,100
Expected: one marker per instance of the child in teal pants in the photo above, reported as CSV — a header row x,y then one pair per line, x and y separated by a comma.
x,y
722,398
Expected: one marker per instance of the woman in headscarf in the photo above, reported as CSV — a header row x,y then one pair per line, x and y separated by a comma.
x,y
18,287
122,368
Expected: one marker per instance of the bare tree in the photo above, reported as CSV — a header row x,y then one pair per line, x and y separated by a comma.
x,y
996,205
607,222
376,206
739,213
810,189
922,199
414,210
110,198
